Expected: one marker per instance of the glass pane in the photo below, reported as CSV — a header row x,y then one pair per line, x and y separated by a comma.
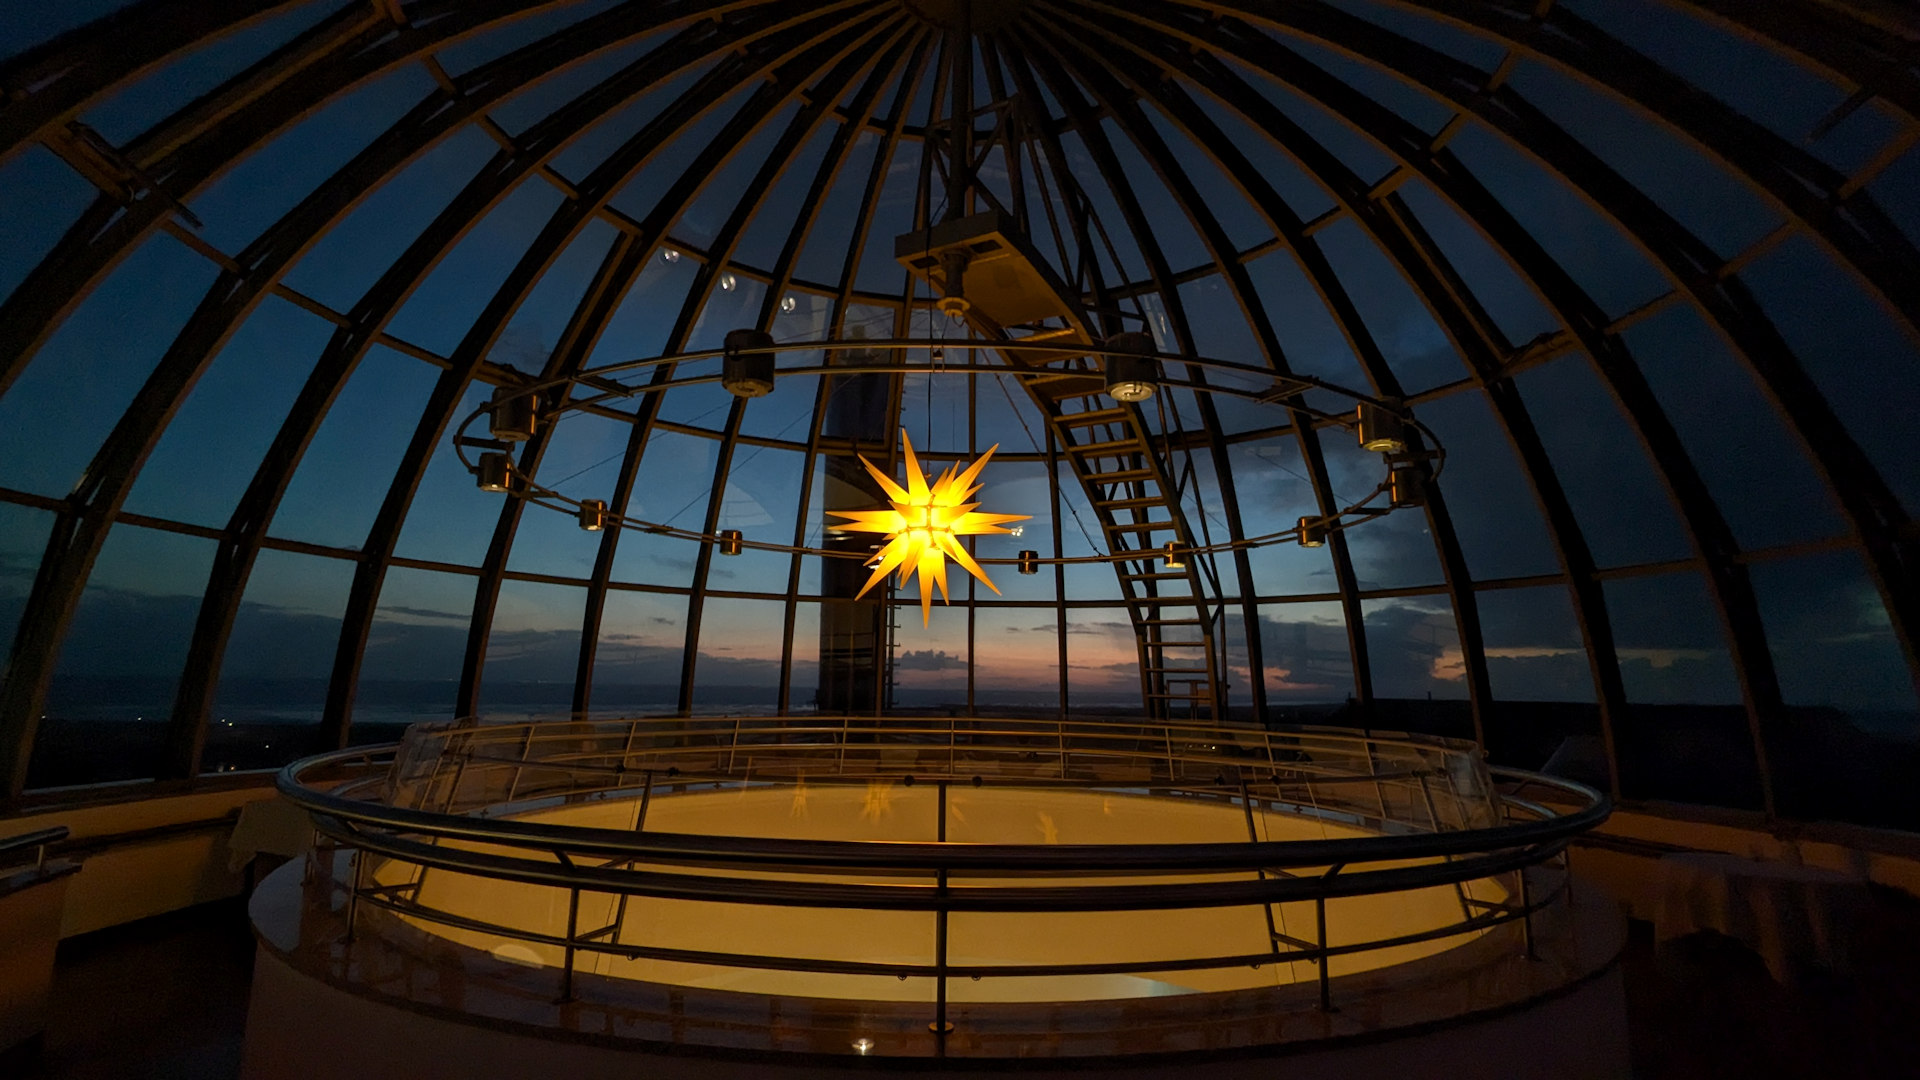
x,y
1851,740
1391,552
414,652
58,196
119,666
208,453
1852,348
345,473
1016,658
825,253
23,541
1534,648
462,287
1416,350
273,679
351,255
1619,500
1684,735
272,180
738,669
450,519
1520,314
636,663
533,651
802,695
1755,471
1103,661
1413,648
760,500
1275,492
49,428
1495,514
673,487
1308,663
582,461
1591,248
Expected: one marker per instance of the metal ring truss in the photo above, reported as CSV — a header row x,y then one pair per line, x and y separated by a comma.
x,y
601,387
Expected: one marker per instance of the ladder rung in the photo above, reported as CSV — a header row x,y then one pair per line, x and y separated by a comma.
x,y
1094,416
1129,504
1108,448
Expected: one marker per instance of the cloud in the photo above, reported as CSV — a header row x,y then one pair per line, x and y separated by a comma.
x,y
928,660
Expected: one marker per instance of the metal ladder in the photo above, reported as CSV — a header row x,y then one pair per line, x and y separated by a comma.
x,y
1128,485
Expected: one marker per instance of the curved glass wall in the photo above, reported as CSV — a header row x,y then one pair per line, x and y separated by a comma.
x,y
1647,269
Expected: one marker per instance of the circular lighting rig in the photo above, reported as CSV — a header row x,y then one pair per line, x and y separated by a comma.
x,y
1411,454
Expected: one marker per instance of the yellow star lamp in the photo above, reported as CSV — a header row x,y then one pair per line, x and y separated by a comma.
x,y
924,525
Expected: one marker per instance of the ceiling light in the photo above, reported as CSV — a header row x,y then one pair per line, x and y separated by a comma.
x,y
512,418
593,514
1381,431
923,527
1171,558
1313,532
1029,562
953,277
669,256
1132,372
727,282
747,374
491,472
1405,488
788,303
730,541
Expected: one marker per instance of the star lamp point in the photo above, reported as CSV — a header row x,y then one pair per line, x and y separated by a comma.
x,y
924,524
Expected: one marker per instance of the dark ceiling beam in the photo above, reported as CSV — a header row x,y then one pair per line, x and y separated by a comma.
x,y
77,536
889,141
51,83
779,71
234,561
1709,533
108,231
1853,227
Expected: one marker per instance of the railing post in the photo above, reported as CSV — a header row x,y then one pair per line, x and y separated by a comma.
x,y
359,860
1326,991
940,1026
573,930
1526,914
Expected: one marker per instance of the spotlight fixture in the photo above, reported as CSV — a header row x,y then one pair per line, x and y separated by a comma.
x,y
954,305
1406,488
1170,557
512,419
1381,431
491,472
1029,562
730,541
747,374
593,514
669,256
728,282
1313,532
788,304
1131,369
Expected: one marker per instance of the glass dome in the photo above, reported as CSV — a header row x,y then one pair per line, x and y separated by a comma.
x,y
1646,270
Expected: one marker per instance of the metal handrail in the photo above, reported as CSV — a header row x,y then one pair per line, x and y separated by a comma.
x,y
39,839
476,772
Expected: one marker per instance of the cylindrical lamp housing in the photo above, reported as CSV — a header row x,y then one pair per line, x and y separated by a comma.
x,y
1406,488
730,541
953,269
1381,431
747,374
512,418
1029,562
1171,558
1132,372
1313,532
593,514
491,472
